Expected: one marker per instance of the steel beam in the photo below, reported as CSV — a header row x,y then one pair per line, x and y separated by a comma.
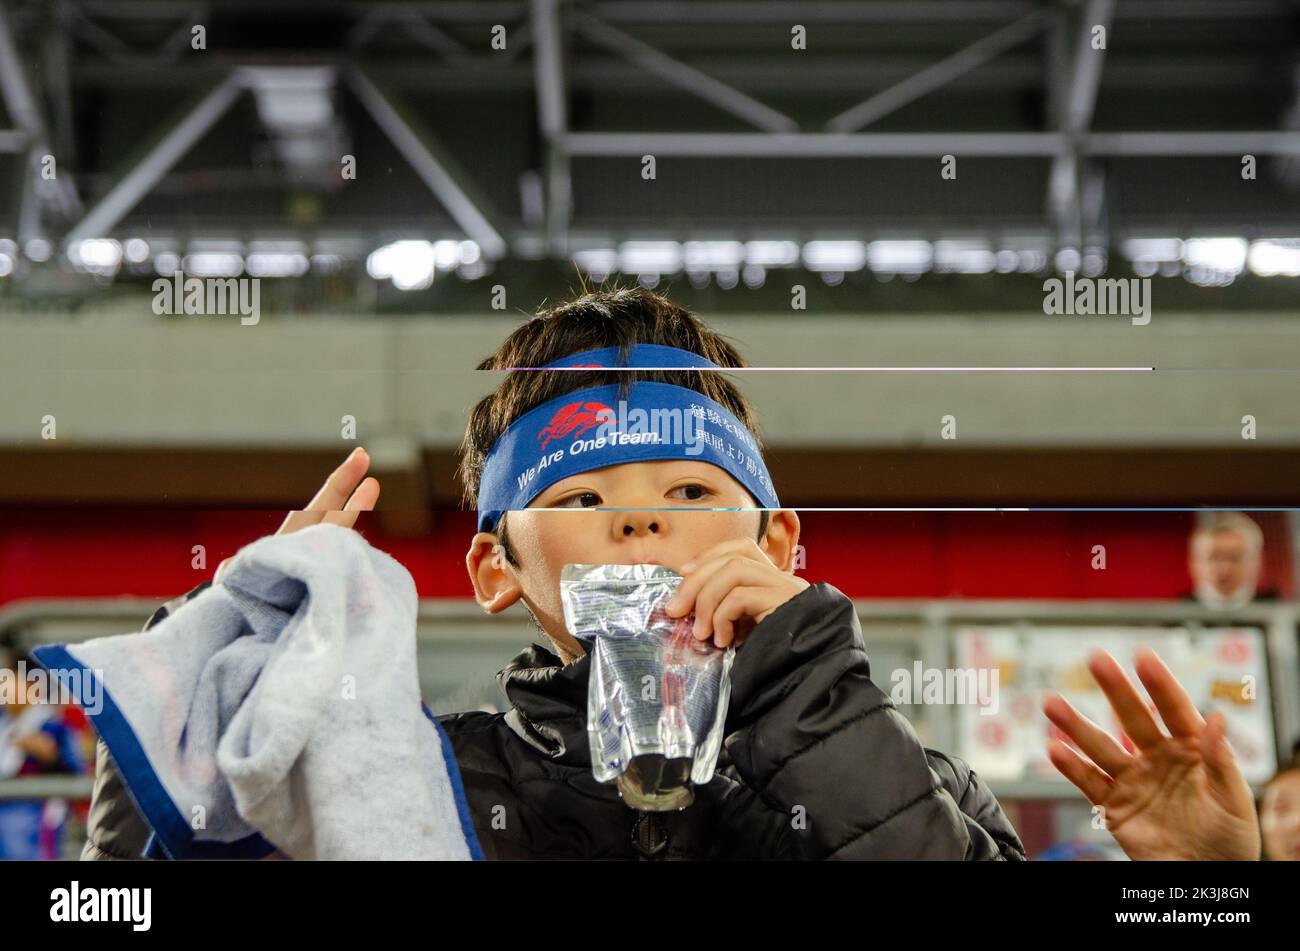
x,y
686,77
138,181
434,172
1192,143
925,144
432,38
940,74
553,122
811,144
13,140
817,11
25,112
908,11
1075,109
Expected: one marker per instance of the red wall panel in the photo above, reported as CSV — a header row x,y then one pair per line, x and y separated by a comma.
x,y
62,553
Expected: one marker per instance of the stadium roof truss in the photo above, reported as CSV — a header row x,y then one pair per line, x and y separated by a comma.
x,y
708,61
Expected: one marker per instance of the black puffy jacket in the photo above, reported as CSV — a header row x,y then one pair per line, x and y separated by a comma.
x,y
817,764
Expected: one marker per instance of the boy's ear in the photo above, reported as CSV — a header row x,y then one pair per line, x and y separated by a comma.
x,y
495,586
782,538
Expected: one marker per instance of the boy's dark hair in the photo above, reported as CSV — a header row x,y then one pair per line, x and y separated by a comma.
x,y
603,318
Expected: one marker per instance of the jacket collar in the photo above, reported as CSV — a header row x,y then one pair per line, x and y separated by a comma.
x,y
549,703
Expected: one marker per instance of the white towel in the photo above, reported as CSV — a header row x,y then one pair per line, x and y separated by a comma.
x,y
282,709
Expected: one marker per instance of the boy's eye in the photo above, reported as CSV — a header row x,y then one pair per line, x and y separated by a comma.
x,y
701,490
568,503
694,492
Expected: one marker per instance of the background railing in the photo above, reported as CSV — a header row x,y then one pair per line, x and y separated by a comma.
x,y
459,651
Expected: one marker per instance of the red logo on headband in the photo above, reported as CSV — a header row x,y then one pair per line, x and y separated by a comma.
x,y
574,418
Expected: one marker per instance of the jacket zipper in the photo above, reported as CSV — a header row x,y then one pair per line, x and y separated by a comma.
x,y
649,836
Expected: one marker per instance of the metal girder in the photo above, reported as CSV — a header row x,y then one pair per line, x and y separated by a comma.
x,y
25,112
78,20
462,10
432,38
811,144
58,80
686,77
18,97
1078,100
1192,143
725,11
137,182
940,74
1012,72
817,11
171,49
924,144
904,11
178,140
415,24
433,171
553,122
113,47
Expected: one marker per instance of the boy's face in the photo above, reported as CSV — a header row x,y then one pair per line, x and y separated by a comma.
x,y
649,512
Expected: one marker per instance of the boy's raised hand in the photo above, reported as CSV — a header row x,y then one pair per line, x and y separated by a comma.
x,y
341,500
732,587
1176,796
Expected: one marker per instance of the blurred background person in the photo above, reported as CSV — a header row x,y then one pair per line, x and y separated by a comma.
x,y
1224,557
35,739
1279,813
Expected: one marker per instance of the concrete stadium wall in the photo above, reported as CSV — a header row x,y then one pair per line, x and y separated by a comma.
x,y
123,376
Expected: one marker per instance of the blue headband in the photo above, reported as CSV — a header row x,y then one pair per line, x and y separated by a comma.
x,y
597,427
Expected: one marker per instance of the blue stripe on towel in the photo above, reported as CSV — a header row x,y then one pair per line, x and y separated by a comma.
x,y
457,788
171,832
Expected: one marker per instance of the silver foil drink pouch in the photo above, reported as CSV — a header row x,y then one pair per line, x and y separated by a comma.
x,y
656,695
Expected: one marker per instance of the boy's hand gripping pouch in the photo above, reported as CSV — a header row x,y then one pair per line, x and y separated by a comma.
x,y
656,696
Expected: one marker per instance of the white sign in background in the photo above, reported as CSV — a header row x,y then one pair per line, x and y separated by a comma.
x,y
1222,668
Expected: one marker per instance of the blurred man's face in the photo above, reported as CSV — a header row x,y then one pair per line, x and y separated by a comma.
x,y
1225,561
1279,818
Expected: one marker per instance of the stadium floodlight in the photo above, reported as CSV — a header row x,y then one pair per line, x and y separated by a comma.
x,y
713,255
599,263
213,264
410,265
650,257
277,264
135,250
95,254
1214,262
38,250
837,256
1220,254
964,257
1149,255
766,254
900,257
1274,258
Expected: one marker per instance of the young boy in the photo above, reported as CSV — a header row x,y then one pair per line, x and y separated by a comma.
x,y
816,762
